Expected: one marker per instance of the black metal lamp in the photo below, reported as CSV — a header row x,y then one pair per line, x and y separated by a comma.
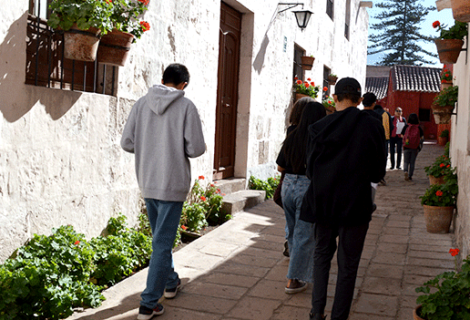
x,y
303,17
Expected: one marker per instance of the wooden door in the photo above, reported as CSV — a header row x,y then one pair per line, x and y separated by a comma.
x,y
227,92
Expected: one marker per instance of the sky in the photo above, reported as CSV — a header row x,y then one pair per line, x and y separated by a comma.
x,y
444,16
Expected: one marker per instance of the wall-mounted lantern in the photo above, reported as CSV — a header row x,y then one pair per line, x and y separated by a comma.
x,y
302,16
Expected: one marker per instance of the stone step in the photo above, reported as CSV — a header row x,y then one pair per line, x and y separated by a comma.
x,y
231,185
241,200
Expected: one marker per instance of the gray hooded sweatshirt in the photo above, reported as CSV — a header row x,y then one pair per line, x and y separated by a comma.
x,y
163,130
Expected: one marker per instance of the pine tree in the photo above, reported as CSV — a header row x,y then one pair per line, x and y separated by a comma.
x,y
398,33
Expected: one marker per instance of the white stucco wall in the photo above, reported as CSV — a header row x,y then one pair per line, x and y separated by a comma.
x,y
460,152
60,159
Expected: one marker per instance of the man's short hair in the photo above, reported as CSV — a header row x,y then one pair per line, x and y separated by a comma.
x,y
175,74
369,99
348,88
378,107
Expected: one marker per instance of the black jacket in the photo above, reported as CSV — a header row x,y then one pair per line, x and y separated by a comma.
x,y
345,153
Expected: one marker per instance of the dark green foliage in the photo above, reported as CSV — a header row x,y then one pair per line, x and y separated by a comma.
x,y
447,97
398,33
269,186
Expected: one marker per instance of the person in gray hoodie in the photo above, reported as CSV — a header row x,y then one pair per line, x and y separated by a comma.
x,y
163,131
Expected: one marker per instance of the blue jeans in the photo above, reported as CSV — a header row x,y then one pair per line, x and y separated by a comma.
x,y
301,235
164,217
410,159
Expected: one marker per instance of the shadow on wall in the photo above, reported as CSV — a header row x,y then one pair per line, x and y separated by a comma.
x,y
17,99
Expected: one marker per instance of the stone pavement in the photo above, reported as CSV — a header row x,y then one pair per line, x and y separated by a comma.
x,y
238,271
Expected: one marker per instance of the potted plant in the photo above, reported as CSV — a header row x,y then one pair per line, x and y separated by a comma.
x,y
305,89
446,79
446,296
461,10
438,203
332,78
438,170
329,104
450,41
126,27
444,104
82,22
443,137
307,62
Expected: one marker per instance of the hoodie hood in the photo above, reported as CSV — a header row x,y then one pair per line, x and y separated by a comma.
x,y
336,128
160,98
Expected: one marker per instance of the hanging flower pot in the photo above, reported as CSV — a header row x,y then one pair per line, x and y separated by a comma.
x,y
461,10
448,49
438,219
307,62
299,96
442,114
446,84
81,44
332,79
114,48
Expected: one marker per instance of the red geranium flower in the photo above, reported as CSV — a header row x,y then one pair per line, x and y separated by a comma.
x,y
307,84
109,1
77,243
448,165
436,24
439,193
295,78
442,165
312,83
184,227
145,25
325,89
212,185
201,177
299,82
203,198
454,252
308,79
218,191
145,2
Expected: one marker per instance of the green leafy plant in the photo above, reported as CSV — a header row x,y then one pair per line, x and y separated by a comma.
x,y
85,13
447,97
446,76
458,31
444,134
442,195
440,167
333,75
329,102
269,185
306,87
446,297
125,16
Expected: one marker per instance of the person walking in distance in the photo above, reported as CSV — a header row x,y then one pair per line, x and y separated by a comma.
x,y
396,138
345,153
291,161
412,143
163,131
387,126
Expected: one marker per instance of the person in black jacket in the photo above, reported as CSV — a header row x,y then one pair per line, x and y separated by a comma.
x,y
345,153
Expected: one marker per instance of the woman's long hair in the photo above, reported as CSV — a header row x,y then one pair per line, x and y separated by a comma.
x,y
297,110
295,145
413,119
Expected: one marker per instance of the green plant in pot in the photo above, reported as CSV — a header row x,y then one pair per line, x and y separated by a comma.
x,y
446,297
450,41
439,169
306,88
329,104
444,103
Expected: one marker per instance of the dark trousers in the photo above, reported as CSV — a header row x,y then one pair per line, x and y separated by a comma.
x,y
398,143
410,159
350,245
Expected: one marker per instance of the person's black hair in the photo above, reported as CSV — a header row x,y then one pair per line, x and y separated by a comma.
x,y
297,110
378,107
176,74
413,119
295,144
369,99
354,97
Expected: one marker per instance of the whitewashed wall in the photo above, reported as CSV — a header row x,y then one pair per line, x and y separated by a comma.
x,y
60,160
460,152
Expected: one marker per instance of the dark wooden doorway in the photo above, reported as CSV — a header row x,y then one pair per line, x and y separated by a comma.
x,y
227,92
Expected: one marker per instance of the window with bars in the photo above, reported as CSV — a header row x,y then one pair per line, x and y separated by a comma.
x,y
348,19
330,8
298,70
45,62
326,73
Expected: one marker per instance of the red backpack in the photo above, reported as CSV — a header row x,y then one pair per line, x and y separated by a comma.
x,y
411,139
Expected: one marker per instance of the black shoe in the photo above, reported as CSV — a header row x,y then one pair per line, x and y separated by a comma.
x,y
146,313
398,168
171,293
317,316
286,249
382,182
391,168
374,207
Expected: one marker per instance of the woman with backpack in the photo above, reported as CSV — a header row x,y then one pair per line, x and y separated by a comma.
x,y
301,237
412,144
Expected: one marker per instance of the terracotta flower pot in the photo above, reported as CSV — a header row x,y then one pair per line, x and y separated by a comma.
x,y
299,96
434,180
114,48
461,10
442,141
445,85
307,62
438,219
81,44
415,313
448,50
441,114
332,80
330,110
